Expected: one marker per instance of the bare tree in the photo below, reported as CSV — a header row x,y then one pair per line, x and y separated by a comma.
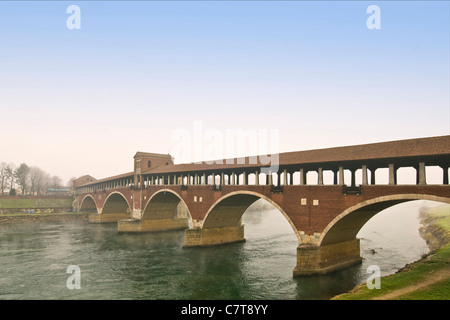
x,y
3,176
70,183
21,174
56,182
45,183
30,179
36,177
39,180
10,176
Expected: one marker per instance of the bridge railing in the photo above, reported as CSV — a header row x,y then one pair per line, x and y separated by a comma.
x,y
351,189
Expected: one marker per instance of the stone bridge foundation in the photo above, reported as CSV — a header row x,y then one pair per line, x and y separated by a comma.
x,y
213,236
137,225
107,217
316,260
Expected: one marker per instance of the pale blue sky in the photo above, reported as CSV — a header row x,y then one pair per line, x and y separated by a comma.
x,y
137,71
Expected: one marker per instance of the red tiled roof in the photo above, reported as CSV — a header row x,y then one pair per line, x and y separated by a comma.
x,y
421,147
119,176
432,146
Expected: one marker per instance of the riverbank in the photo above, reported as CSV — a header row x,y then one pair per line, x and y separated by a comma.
x,y
425,279
34,204
36,217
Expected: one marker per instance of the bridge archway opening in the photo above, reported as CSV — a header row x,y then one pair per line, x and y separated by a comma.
x,y
166,205
88,205
399,223
271,239
392,238
116,203
263,220
406,175
312,178
381,176
347,225
328,177
230,209
434,174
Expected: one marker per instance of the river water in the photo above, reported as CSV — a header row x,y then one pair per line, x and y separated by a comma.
x,y
34,258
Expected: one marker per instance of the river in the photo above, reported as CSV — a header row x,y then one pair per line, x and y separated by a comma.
x,y
34,258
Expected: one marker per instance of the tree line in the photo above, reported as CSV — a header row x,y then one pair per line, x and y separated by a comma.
x,y
29,179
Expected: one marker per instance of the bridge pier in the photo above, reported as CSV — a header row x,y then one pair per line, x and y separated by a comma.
x,y
107,217
154,225
213,236
316,260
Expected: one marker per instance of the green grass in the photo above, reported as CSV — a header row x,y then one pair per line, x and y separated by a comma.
x,y
437,291
442,214
417,272
41,214
35,203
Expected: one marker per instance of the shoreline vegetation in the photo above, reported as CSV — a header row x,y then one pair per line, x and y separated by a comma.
x,y
425,279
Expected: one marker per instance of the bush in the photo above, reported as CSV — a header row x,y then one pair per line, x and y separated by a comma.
x,y
12,192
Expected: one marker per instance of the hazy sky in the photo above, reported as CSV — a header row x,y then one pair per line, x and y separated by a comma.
x,y
83,101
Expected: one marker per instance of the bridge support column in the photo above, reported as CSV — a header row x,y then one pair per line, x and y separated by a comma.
x,y
316,260
320,176
421,174
155,225
392,174
341,176
213,236
107,217
365,181
302,177
445,176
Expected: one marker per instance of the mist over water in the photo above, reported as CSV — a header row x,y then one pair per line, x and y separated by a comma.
x,y
34,258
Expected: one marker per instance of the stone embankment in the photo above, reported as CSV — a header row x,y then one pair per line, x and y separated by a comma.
x,y
435,236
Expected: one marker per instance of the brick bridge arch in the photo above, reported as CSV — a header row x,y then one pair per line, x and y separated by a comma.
x,y
337,246
88,204
164,204
346,225
227,211
165,210
116,206
115,202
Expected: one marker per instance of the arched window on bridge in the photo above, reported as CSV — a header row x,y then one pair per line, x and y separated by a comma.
x,y
312,177
406,175
434,174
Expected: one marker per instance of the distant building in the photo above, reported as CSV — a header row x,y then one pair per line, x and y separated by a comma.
x,y
58,191
83,180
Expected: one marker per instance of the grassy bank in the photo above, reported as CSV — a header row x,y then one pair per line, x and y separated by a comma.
x,y
426,279
36,217
34,203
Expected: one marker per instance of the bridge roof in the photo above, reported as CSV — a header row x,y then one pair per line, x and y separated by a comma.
x,y
154,155
400,149
407,151
119,176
